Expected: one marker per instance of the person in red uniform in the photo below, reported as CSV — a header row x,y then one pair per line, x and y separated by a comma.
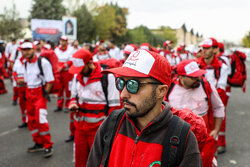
x,y
2,85
18,78
88,98
217,70
143,80
64,54
222,134
36,103
167,52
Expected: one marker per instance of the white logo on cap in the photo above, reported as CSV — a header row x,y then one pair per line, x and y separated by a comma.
x,y
129,48
78,62
207,41
141,61
191,68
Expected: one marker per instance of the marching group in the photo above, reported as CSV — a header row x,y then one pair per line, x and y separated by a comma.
x,y
135,123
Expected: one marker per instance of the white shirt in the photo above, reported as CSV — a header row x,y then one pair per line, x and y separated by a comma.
x,y
98,57
115,53
13,56
64,56
195,100
10,48
32,74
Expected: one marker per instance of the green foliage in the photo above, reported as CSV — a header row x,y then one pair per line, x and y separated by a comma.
x,y
104,22
110,22
85,24
142,34
168,34
10,24
47,9
246,40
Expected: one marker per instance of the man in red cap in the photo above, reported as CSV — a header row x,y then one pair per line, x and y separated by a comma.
x,y
128,49
222,134
143,80
167,52
92,99
191,90
64,54
36,103
217,69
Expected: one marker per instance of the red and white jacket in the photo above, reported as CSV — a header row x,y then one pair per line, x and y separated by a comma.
x,y
32,73
88,93
169,56
217,74
64,57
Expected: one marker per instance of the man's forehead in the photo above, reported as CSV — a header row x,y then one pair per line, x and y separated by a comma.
x,y
136,78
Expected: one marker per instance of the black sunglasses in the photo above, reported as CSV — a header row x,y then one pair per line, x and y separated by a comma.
x,y
132,85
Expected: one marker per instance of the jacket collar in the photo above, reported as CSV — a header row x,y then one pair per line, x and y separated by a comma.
x,y
96,75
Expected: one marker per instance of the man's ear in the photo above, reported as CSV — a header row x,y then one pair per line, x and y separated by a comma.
x,y
163,90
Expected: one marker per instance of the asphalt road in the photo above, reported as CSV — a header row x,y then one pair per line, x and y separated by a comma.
x,y
14,142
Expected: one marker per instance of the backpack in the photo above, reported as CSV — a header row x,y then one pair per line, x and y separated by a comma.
x,y
173,145
52,58
238,75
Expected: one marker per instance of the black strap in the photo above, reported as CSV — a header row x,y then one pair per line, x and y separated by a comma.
x,y
174,142
170,89
17,51
110,130
204,87
104,81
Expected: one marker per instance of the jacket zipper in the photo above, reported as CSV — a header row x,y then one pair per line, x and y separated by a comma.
x,y
136,141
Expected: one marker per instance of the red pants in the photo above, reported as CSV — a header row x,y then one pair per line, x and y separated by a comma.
x,y
22,102
222,133
65,78
37,112
15,93
83,144
2,85
72,127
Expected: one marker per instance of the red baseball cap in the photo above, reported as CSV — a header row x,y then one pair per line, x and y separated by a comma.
x,y
129,48
64,38
190,68
144,63
145,46
27,45
221,45
166,43
209,42
79,59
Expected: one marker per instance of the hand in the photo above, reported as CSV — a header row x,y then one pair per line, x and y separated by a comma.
x,y
214,133
73,107
20,81
60,69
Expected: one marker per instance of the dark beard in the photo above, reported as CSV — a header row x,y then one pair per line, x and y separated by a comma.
x,y
146,106
195,85
88,72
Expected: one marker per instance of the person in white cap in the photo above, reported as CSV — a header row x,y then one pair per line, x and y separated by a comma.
x,y
64,54
217,72
167,52
36,103
138,138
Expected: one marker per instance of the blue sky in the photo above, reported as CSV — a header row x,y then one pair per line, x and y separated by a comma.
x,y
222,19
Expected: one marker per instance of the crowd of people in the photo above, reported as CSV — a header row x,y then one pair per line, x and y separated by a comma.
x,y
124,104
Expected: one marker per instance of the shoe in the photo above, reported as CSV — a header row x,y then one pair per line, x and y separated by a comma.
x,y
58,109
70,139
48,152
66,110
23,125
36,148
221,149
14,103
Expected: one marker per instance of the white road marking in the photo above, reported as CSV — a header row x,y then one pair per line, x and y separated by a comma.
x,y
8,132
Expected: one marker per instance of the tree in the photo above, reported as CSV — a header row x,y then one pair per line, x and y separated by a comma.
x,y
85,24
10,24
104,22
48,9
246,40
168,34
